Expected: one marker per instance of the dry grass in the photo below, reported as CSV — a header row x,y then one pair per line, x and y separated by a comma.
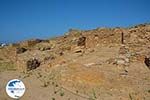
x,y
5,66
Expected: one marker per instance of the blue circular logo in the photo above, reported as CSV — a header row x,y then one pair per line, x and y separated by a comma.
x,y
15,88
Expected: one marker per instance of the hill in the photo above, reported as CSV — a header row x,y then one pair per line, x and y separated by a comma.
x,y
98,64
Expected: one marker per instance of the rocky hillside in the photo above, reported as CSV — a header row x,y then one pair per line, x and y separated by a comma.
x,y
98,64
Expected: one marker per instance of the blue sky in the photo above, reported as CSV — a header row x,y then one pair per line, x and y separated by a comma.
x,y
26,19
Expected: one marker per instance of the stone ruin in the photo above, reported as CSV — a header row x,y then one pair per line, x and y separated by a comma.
x,y
123,57
32,64
20,50
147,62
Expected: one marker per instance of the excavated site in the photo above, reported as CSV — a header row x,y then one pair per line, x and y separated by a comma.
x,y
98,64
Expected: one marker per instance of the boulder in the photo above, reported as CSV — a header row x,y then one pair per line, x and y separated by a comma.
x,y
32,64
147,62
81,41
123,56
49,58
34,41
60,53
120,61
20,50
78,49
44,48
123,50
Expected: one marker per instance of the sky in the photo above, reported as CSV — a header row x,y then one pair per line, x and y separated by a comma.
x,y
27,19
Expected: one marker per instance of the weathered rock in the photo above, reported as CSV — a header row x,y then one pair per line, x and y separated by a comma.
x,y
44,48
32,64
1,59
31,42
123,50
81,41
147,62
49,58
60,53
78,49
74,32
120,61
111,61
124,56
46,41
20,50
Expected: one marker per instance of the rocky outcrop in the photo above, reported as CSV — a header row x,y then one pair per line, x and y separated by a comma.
x,y
147,62
123,57
30,43
44,48
81,41
20,50
32,64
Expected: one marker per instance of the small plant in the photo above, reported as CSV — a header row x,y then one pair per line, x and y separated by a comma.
x,y
56,85
130,96
78,34
39,75
93,97
53,83
55,92
1,58
62,93
45,84
69,99
94,94
148,91
77,91
53,99
27,75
